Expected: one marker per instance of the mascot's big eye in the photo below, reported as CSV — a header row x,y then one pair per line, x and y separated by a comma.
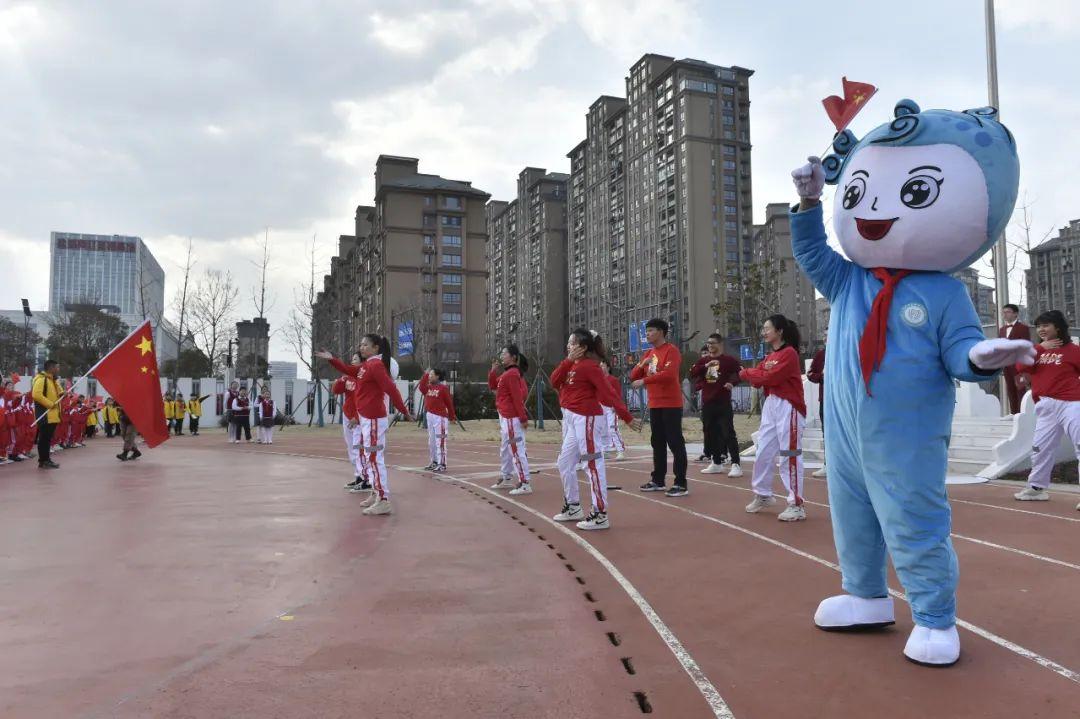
x,y
920,191
854,192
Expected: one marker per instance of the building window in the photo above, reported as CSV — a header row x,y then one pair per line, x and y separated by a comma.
x,y
451,279
429,220
451,318
429,240
699,86
451,337
728,90
451,260
451,240
451,298
452,202
428,200
449,221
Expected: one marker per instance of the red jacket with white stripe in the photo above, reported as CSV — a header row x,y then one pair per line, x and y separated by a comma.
x,y
780,375
437,398
346,386
583,387
510,390
372,383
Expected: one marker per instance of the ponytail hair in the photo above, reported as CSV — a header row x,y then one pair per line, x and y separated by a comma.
x,y
384,348
789,331
593,344
522,363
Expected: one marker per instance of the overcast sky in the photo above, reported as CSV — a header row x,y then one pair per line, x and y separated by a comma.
x,y
216,120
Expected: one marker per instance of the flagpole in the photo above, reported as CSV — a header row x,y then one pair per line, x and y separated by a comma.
x,y
89,371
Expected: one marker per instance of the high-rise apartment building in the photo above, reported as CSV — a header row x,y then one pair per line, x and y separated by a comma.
x,y
415,268
660,207
113,272
776,282
1054,275
982,296
526,287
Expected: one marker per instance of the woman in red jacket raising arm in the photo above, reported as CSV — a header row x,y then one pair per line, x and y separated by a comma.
x,y
440,413
510,390
372,384
583,392
783,416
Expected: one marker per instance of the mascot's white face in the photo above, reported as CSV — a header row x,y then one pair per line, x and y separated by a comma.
x,y
914,208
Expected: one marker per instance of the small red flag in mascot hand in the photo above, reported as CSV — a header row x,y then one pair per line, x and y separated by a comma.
x,y
843,110
130,374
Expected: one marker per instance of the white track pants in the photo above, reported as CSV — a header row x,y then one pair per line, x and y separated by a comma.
x,y
513,460
1052,418
614,441
780,435
582,441
265,434
372,454
437,429
352,446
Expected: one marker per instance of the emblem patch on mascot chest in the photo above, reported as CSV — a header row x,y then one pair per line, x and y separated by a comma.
x,y
914,314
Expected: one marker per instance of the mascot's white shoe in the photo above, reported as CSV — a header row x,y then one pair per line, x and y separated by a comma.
x,y
933,647
845,612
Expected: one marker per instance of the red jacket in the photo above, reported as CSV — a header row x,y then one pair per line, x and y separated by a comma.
x,y
779,374
816,373
437,399
713,389
1020,331
583,387
346,386
372,382
1055,373
510,390
659,368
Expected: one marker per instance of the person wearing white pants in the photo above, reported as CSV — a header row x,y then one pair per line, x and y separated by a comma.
x,y
350,424
783,417
613,441
1055,386
440,412
583,392
265,410
510,390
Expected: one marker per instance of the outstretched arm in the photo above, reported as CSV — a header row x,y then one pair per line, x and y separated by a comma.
x,y
825,267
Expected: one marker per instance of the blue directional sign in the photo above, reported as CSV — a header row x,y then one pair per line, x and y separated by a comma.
x,y
746,353
761,351
634,344
405,338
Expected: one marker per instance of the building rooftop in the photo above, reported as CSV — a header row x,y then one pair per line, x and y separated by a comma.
x,y
421,182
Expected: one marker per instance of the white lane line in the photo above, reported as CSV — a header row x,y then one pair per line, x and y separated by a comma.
x,y
708,691
1010,509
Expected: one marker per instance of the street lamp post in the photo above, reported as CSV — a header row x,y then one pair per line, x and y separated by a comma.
x,y
27,314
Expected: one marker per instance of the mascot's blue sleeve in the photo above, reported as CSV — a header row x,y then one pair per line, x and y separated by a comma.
x,y
958,332
827,269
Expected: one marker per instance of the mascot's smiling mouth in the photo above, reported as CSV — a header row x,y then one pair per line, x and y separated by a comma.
x,y
874,230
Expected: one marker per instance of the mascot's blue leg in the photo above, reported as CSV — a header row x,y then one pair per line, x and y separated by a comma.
x,y
906,483
860,544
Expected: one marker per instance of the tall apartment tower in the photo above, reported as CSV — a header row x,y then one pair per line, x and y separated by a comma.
x,y
526,289
1054,277
660,207
420,263
786,288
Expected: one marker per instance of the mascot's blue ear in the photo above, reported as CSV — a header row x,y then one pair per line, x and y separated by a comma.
x,y
906,107
833,164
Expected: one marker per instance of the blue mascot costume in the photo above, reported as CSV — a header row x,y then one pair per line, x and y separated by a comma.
x,y
917,198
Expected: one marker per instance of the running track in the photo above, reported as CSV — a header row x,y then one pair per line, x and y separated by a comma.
x,y
212,580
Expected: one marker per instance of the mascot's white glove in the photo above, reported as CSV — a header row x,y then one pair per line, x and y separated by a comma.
x,y
809,179
998,353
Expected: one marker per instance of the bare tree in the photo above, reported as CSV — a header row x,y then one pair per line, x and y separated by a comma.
x,y
299,328
180,305
1024,243
213,314
756,293
259,297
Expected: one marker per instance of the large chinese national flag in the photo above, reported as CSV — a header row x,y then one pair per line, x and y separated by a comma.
x,y
130,375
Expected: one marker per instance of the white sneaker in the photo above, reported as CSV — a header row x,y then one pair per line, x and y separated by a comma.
x,y
504,483
820,473
372,499
596,520
933,647
380,507
1032,494
760,503
845,611
735,471
523,488
793,513
619,456
569,513
713,468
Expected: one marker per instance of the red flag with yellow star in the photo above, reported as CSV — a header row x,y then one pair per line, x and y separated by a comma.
x,y
843,110
130,374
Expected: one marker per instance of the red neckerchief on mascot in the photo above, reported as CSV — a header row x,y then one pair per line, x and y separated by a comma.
x,y
872,342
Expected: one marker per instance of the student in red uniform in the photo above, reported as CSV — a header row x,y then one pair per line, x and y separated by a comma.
x,y
27,431
1055,386
230,395
510,392
658,373
697,385
583,391
373,383
614,440
350,425
717,374
79,415
241,415
265,411
7,442
439,406
816,374
783,416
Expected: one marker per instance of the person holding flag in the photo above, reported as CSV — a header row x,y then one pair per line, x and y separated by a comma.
x,y
130,374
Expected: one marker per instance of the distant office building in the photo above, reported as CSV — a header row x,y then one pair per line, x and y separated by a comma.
x,y
1054,277
283,370
252,348
982,296
823,311
116,273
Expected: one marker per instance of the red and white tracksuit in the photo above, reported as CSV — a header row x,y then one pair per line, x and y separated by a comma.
x,y
440,412
373,383
783,418
510,390
350,425
264,408
583,391
1055,387
614,441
